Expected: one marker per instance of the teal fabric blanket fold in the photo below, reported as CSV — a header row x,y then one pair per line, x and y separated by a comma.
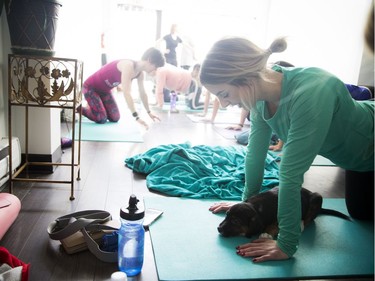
x,y
199,171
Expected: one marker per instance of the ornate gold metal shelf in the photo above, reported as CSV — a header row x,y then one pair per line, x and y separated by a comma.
x,y
44,82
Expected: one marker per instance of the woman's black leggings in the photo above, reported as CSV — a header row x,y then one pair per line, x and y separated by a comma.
x,y
359,194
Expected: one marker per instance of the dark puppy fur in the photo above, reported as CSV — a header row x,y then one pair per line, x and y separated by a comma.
x,y
259,214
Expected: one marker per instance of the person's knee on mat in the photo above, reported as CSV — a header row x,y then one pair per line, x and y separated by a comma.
x,y
101,121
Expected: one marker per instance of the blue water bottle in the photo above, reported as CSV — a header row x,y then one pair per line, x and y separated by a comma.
x,y
131,237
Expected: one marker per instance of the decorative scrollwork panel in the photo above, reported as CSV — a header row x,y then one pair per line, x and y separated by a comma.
x,y
45,81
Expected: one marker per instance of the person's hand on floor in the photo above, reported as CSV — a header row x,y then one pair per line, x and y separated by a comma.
x,y
143,123
261,250
206,120
277,147
153,116
221,207
203,114
235,127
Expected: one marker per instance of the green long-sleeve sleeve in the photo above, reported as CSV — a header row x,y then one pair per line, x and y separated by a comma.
x,y
316,115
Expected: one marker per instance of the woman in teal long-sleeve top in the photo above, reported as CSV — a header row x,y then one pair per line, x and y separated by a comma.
x,y
312,112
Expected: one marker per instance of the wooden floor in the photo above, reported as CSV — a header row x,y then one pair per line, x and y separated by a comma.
x,y
106,184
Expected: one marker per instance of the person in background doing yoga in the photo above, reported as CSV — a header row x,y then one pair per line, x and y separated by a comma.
x,y
195,92
309,109
178,80
97,89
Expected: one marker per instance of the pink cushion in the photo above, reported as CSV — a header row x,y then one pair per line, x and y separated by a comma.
x,y
10,206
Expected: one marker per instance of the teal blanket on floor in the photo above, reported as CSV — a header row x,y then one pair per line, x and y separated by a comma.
x,y
199,171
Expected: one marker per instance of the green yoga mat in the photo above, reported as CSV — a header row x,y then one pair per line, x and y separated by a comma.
x,y
187,246
122,131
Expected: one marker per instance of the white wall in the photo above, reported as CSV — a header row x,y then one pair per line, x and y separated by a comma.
x,y
78,32
327,34
207,21
127,34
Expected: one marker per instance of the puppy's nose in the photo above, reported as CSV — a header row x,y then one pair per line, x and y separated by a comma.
x,y
219,229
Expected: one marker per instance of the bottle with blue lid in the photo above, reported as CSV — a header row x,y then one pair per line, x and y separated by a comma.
x,y
131,238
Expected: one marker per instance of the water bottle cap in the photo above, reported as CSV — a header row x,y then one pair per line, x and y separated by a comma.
x,y
132,212
119,276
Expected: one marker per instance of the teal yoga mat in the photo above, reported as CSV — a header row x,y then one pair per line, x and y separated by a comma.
x,y
187,246
122,131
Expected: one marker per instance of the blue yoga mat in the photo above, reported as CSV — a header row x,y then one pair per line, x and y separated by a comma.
x,y
122,131
187,246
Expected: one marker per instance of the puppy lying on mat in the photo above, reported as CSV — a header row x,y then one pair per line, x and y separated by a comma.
x,y
258,215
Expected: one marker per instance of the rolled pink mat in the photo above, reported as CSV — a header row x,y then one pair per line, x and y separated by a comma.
x,y
10,206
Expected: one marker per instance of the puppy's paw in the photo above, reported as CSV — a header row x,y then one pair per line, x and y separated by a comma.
x,y
265,236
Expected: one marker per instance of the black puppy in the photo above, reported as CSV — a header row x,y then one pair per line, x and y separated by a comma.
x,y
258,215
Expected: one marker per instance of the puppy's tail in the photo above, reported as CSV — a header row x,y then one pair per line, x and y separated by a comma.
x,y
335,213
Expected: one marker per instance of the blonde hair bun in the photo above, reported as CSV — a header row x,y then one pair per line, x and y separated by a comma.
x,y
278,45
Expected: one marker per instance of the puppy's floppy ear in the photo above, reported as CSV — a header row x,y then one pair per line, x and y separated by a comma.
x,y
254,224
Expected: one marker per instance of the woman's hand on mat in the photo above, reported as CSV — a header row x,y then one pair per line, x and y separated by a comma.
x,y
203,114
221,207
276,147
154,117
143,123
261,250
207,120
235,127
